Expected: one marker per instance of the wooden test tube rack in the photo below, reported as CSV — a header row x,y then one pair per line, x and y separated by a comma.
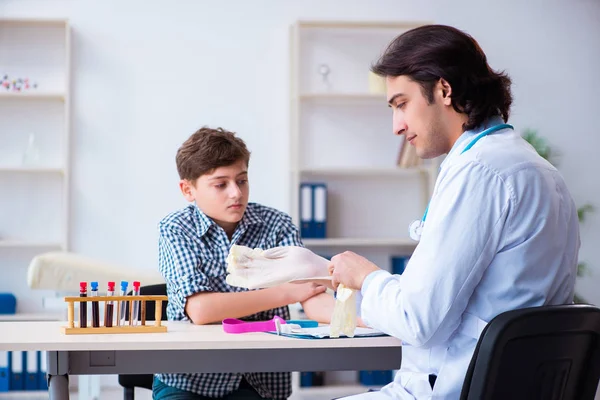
x,y
72,329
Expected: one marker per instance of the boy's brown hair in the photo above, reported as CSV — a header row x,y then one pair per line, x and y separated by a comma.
x,y
208,149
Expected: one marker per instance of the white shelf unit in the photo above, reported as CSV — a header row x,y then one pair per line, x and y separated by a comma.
x,y
32,170
342,97
341,135
34,95
360,242
32,317
25,395
35,201
38,49
30,244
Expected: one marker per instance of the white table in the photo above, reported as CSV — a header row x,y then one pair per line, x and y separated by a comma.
x,y
190,348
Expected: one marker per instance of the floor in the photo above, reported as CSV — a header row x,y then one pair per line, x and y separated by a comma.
x,y
142,394
108,394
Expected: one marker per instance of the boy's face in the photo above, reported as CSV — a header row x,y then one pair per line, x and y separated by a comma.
x,y
222,194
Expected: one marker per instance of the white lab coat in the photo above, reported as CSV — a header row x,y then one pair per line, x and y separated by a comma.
x,y
502,233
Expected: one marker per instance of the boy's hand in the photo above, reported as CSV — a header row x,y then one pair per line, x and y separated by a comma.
x,y
255,268
299,292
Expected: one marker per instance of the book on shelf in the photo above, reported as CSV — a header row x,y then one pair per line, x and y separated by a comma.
x,y
313,210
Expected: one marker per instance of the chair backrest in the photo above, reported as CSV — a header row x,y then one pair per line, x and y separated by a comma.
x,y
545,353
152,290
145,380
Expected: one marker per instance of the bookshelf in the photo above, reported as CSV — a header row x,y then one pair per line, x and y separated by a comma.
x,y
32,96
30,244
341,135
35,145
364,172
360,242
342,97
32,170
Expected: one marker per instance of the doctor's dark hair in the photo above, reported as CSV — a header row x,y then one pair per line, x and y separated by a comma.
x,y
208,149
428,53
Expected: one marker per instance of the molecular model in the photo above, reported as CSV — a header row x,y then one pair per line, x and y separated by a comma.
x,y
16,84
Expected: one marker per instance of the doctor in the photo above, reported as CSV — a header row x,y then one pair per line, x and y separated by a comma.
x,y
501,230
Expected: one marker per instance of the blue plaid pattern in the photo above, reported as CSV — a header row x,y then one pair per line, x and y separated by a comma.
x,y
192,259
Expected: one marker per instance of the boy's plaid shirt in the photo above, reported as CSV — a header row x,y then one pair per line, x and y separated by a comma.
x,y
192,259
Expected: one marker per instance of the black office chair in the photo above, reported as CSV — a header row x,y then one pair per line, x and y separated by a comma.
x,y
131,381
539,353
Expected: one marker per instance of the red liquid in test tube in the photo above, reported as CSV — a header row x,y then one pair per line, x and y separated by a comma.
x,y
83,305
95,305
136,304
110,306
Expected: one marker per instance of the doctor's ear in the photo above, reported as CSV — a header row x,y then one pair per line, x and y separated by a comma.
x,y
446,91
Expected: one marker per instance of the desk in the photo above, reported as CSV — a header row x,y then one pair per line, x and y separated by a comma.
x,y
190,348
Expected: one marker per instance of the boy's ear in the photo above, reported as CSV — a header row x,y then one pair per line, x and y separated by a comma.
x,y
187,189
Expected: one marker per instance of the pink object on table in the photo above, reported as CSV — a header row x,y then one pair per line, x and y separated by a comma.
x,y
232,325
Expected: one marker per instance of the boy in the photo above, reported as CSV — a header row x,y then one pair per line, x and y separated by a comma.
x,y
193,246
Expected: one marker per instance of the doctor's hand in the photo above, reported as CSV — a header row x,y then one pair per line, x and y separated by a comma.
x,y
350,269
255,268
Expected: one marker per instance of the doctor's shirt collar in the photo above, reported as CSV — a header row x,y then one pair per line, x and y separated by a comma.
x,y
464,139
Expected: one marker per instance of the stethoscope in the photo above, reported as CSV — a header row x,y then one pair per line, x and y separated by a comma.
x,y
416,227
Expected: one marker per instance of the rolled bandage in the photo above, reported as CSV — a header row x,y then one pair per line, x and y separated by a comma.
x,y
236,259
232,257
343,320
239,255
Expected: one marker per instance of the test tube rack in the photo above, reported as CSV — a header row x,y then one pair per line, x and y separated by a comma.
x,y
131,327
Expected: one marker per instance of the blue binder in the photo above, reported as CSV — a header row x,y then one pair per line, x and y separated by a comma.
x,y
42,378
306,379
376,378
313,210
319,210
398,264
8,303
306,211
15,360
4,370
32,369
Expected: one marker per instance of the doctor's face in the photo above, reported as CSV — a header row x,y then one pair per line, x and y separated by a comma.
x,y
421,121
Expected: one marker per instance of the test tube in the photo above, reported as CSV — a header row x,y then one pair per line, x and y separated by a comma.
x,y
109,311
83,305
95,305
123,307
136,304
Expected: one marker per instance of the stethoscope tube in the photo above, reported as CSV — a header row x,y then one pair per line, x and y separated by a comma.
x,y
415,229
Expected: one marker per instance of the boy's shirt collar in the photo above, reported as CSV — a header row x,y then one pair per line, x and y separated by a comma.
x,y
251,217
203,221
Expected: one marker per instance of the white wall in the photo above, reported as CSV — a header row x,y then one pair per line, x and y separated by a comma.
x,y
148,73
